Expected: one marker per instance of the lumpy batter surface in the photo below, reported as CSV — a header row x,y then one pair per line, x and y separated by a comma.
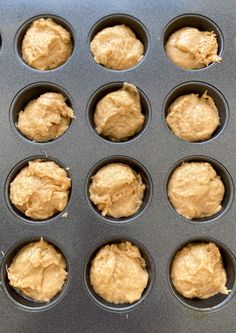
x,y
118,273
38,270
197,271
40,190
117,47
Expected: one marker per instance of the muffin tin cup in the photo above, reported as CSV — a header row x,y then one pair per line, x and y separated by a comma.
x,y
202,23
102,92
16,296
29,93
117,19
14,172
118,308
226,179
220,300
199,88
146,179
25,26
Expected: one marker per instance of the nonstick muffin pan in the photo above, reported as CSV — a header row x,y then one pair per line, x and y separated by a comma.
x,y
79,231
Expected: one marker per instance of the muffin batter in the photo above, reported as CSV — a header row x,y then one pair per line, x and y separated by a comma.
x,y
195,190
193,117
190,48
197,271
38,270
118,273
45,118
117,190
40,190
118,115
117,47
46,45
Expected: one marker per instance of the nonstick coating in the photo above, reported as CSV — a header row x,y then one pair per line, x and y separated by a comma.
x,y
157,229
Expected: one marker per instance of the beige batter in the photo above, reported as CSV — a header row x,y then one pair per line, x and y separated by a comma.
x,y
46,45
118,273
190,48
38,270
45,118
118,115
117,190
197,271
193,117
195,190
117,47
40,190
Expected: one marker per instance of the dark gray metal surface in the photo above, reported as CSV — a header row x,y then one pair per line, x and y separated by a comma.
x,y
158,228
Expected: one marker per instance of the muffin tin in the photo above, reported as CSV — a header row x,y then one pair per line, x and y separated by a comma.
x,y
79,231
